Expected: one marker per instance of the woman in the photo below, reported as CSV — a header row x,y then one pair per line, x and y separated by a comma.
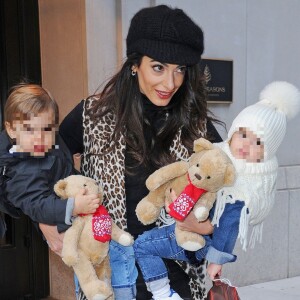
x,y
147,116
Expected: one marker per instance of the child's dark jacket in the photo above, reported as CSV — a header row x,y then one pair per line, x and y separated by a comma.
x,y
29,183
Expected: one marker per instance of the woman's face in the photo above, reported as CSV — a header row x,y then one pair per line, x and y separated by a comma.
x,y
159,81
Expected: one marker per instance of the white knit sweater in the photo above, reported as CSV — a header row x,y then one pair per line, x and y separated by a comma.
x,y
255,184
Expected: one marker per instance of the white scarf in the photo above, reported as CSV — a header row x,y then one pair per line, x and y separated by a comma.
x,y
255,184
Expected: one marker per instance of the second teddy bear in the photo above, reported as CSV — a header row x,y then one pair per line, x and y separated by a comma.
x,y
209,169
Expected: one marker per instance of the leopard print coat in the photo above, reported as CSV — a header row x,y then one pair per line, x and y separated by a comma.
x,y
108,168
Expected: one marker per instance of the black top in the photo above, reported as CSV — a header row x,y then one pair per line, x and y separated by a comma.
x,y
71,130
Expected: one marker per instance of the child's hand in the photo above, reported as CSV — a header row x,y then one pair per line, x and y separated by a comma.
x,y
85,204
214,271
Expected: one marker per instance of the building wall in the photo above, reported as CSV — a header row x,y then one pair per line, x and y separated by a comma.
x,y
64,74
63,51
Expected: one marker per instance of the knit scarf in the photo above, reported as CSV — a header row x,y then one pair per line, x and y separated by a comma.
x,y
255,184
101,224
180,208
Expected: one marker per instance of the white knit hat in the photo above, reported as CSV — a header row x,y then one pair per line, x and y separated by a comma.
x,y
267,118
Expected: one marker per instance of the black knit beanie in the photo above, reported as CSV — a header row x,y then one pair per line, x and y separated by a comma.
x,y
165,34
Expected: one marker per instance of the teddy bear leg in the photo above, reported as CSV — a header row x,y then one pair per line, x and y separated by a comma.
x,y
93,288
189,240
103,272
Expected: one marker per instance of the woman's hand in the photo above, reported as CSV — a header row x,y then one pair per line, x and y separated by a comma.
x,y
54,239
214,271
77,161
190,223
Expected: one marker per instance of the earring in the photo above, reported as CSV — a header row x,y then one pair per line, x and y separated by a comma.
x,y
133,73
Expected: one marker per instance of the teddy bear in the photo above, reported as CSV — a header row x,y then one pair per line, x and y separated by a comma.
x,y
196,182
86,242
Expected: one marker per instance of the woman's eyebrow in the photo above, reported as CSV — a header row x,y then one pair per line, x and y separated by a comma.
x,y
153,60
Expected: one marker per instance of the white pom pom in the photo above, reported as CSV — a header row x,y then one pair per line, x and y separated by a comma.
x,y
282,96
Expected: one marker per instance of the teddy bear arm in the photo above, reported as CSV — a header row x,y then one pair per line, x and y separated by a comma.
x,y
70,242
103,269
120,236
204,205
91,285
148,209
165,174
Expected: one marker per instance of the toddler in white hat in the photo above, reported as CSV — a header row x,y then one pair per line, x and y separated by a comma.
x,y
253,139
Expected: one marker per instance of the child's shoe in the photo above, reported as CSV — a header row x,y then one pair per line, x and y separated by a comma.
x,y
173,296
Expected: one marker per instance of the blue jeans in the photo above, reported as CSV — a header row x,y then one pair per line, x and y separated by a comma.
x,y
77,287
155,244
124,272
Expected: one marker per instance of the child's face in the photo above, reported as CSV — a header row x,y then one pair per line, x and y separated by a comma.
x,y
246,145
35,135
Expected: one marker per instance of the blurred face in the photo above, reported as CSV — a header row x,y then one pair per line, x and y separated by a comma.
x,y
246,145
159,81
35,135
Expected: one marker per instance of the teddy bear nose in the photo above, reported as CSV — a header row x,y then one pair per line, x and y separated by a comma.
x,y
198,176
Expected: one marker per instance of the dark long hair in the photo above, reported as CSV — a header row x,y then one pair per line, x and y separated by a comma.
x,y
187,110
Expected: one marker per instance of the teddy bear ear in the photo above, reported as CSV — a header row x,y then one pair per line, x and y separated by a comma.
x,y
229,175
202,144
60,188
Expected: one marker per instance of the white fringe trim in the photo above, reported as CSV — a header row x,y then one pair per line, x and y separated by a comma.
x,y
256,234
243,228
165,218
220,206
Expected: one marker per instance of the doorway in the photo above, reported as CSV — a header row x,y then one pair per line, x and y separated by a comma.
x,y
24,267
